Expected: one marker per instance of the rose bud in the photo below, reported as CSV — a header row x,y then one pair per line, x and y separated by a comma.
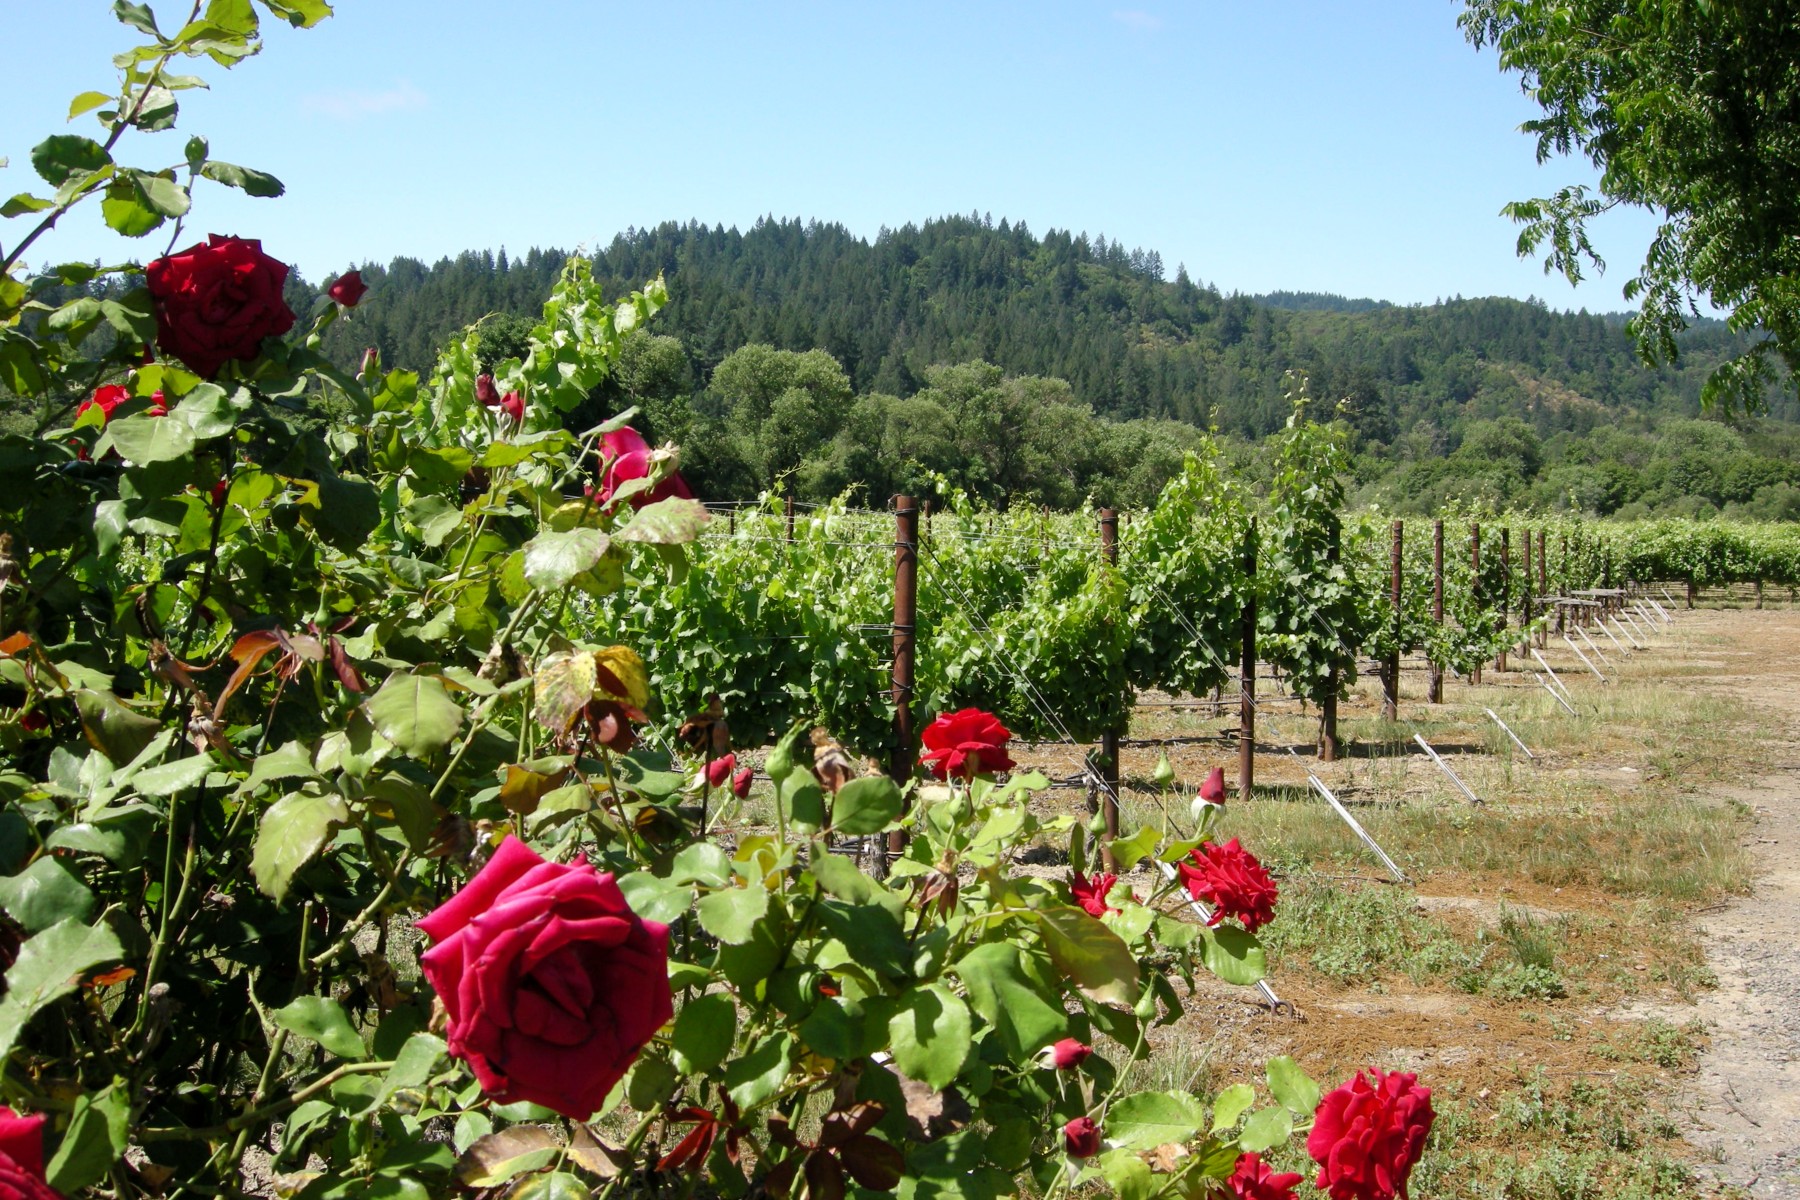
x,y
219,491
34,721
485,391
1081,1138
1213,790
348,289
740,783
371,363
157,407
513,405
1068,1054
719,770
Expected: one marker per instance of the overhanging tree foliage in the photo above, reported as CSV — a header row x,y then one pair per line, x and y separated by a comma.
x,y
1689,108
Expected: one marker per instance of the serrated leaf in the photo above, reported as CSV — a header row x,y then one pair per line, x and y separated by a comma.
x,y
672,522
1293,1087
251,182
930,1035
415,713
47,891
866,805
173,777
1233,955
95,1139
553,559
291,761
732,913
65,155
622,676
563,684
1093,956
323,1021
24,203
703,1031
1231,1104
145,439
49,966
1146,1120
1009,1000
295,828
87,102
1266,1129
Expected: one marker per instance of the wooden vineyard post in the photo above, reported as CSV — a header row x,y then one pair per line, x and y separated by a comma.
x,y
1525,599
789,505
1247,672
1109,740
1046,531
1475,582
1505,590
1390,697
1543,585
1436,692
731,522
1328,705
906,606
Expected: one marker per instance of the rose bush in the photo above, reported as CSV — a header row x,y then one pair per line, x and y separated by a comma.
x,y
217,301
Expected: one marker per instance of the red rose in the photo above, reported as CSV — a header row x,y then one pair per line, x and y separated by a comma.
x,y
740,783
1068,1054
1091,894
966,744
1368,1134
1081,1138
218,301
551,983
157,407
349,289
1230,878
513,405
105,398
34,721
1213,790
22,1158
624,456
719,770
1253,1179
486,392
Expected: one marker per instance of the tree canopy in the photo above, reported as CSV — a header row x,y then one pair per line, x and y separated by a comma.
x,y
1688,108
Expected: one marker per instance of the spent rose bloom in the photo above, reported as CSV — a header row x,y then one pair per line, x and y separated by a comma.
x,y
216,301
1230,879
624,456
1091,894
1068,1054
740,783
965,744
486,392
719,770
1368,1134
1081,1138
1213,790
1254,1179
22,1158
550,982
349,289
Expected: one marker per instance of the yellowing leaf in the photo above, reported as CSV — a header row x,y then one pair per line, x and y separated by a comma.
x,y
626,670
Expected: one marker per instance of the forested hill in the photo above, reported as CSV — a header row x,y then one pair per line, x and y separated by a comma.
x,y
1130,342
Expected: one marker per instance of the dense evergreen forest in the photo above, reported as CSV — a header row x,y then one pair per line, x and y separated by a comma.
x,y
1050,369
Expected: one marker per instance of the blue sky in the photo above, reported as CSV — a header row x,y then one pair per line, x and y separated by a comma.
x,y
1364,149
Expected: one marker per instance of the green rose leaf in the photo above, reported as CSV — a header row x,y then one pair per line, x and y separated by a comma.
x,y
116,731
655,898
59,158
670,522
1146,1120
1266,1129
291,761
731,914
1233,955
95,1139
702,863
44,893
930,1036
323,1021
1009,1000
866,805
703,1032
50,965
145,439
1292,1086
126,211
754,1077
87,102
1231,1104
1095,957
173,777
553,559
415,713
251,182
294,829
24,203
